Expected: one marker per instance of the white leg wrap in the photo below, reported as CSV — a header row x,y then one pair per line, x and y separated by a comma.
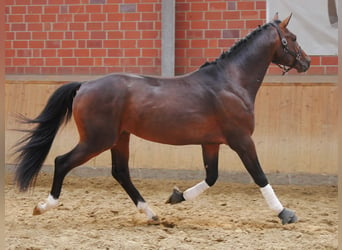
x,y
50,203
144,208
193,192
271,199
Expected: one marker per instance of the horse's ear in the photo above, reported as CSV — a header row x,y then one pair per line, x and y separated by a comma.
x,y
285,22
276,17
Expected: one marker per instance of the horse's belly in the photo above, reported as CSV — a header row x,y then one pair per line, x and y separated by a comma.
x,y
179,133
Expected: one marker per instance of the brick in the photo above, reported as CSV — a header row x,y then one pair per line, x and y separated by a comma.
x,y
98,17
98,52
23,35
199,6
126,61
116,34
9,35
231,5
82,52
62,18
132,17
32,70
81,17
55,35
94,43
236,24
126,8
128,25
97,1
53,44
39,2
98,35
34,27
246,5
231,34
93,8
86,61
65,52
117,17
56,2
39,35
231,15
145,26
51,9
10,52
216,24
24,53
150,52
18,27
20,61
69,61
194,34
77,26
193,52
23,2
260,5
145,43
218,5
36,44
111,61
329,60
145,61
60,26
110,26
213,34
76,8
132,53
82,35
111,43
49,52
115,52
48,18
199,25
132,35
128,43
15,18
52,61
252,24
150,34
18,10
199,43
191,16
145,7
110,8
249,14
212,53
94,26
49,70
32,18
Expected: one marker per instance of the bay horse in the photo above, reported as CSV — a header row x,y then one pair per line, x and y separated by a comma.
x,y
211,106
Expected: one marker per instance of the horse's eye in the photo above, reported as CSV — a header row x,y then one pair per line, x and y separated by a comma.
x,y
294,39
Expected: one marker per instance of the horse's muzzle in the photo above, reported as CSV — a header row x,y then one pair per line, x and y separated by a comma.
x,y
303,65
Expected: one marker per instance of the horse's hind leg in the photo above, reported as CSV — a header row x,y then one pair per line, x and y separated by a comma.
x,y
63,164
245,148
120,171
210,160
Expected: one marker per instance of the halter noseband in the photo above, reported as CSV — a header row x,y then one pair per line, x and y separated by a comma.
x,y
297,55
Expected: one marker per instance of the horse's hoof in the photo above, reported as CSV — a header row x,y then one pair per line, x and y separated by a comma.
x,y
154,221
176,196
36,211
287,216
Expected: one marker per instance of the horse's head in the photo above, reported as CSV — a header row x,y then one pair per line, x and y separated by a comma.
x,y
288,53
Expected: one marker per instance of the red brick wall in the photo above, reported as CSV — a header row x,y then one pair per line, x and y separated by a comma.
x,y
103,36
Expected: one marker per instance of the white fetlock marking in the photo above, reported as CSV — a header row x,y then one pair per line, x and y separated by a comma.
x,y
193,192
49,204
271,199
144,208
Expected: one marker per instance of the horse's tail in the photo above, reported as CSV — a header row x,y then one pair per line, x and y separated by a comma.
x,y
33,149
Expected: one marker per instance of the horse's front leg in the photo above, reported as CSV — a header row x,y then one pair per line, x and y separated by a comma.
x,y
245,148
120,171
210,159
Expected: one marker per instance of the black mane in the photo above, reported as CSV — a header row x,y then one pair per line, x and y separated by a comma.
x,y
238,45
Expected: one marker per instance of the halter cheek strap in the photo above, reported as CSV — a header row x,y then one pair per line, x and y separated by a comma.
x,y
296,55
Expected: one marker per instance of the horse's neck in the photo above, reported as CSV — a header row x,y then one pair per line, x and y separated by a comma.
x,y
250,65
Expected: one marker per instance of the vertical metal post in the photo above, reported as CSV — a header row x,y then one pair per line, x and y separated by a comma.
x,y
168,38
